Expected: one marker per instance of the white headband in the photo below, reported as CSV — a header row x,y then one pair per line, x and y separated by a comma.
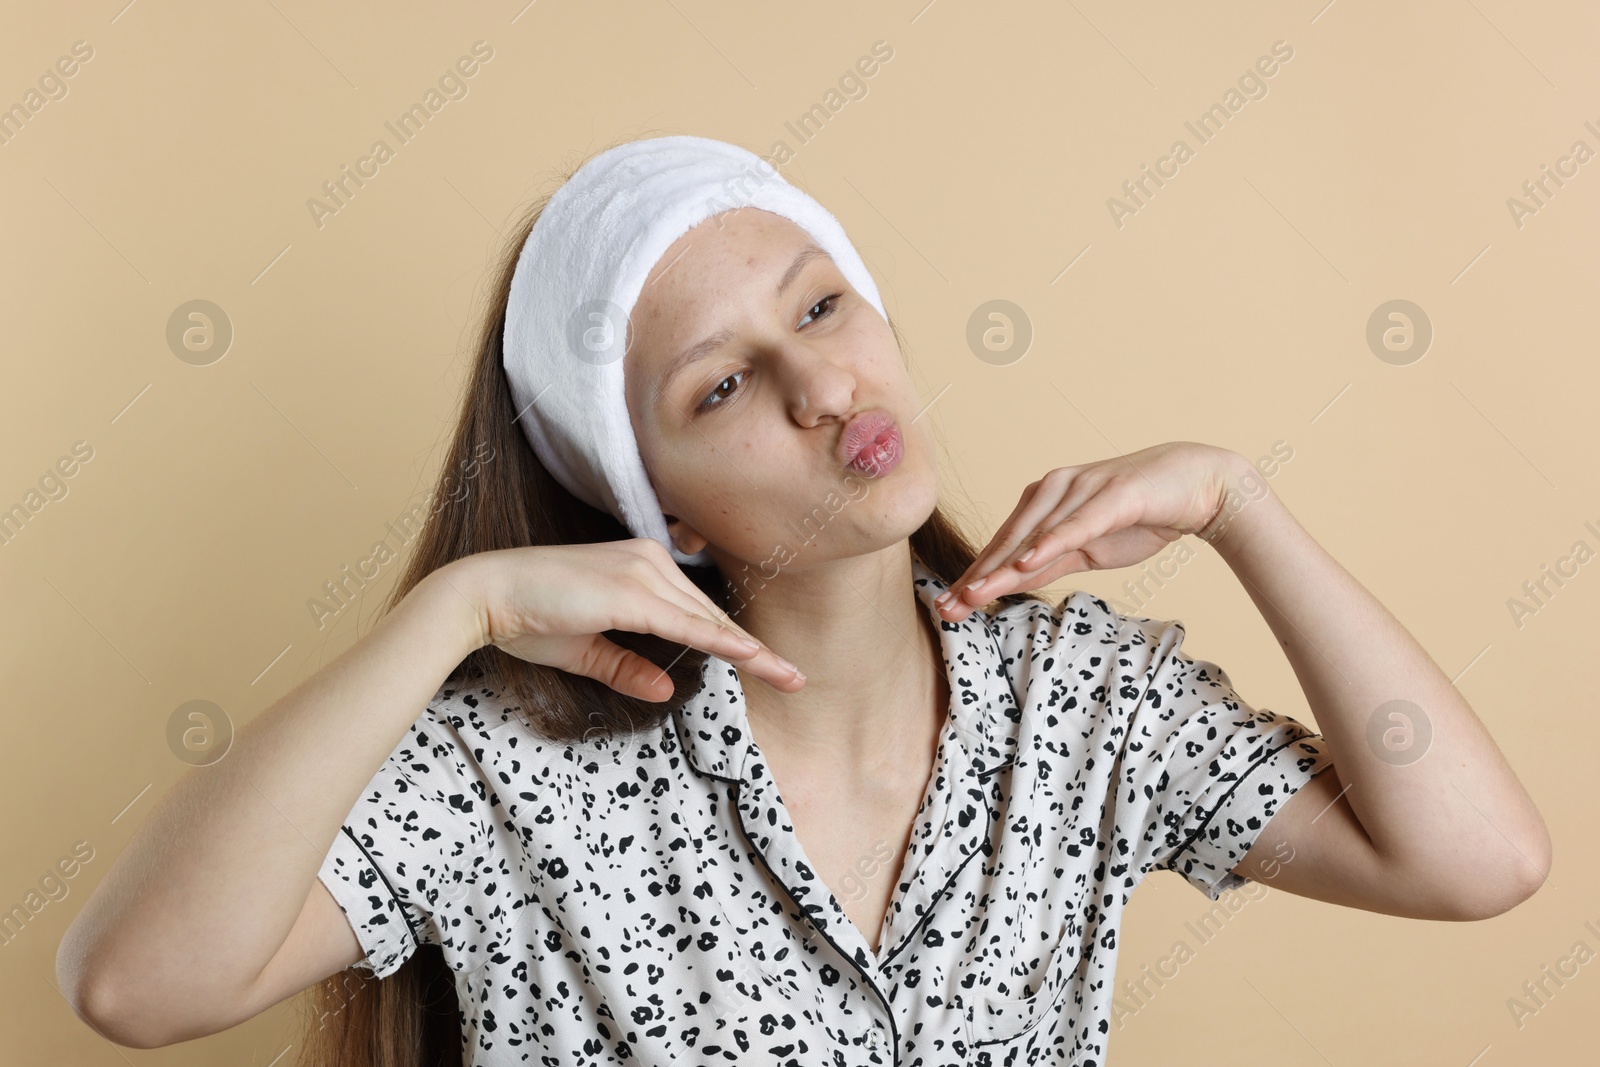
x,y
575,284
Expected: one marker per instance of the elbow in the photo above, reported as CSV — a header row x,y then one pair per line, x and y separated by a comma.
x,y
98,1004
1488,905
97,998
1518,885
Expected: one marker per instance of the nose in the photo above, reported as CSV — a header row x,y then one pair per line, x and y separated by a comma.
x,y
818,388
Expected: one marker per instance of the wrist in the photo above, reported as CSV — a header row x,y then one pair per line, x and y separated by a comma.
x,y
1242,489
456,591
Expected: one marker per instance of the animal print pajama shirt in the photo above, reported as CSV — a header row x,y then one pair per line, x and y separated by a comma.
x,y
645,901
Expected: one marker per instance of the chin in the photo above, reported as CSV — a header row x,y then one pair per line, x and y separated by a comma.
x,y
861,516
898,505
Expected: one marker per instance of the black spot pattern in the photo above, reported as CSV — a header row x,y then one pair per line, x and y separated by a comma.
x,y
645,901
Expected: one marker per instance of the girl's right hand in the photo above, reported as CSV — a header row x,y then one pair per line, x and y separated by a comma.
x,y
550,604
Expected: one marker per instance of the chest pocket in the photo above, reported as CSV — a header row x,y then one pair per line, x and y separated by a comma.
x,y
1006,1030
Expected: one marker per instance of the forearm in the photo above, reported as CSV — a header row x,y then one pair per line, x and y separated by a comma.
x,y
1437,799
211,883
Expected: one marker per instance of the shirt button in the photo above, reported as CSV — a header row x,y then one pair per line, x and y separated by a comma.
x,y
874,1039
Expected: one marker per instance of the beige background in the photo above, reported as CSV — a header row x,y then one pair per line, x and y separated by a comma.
x,y
975,164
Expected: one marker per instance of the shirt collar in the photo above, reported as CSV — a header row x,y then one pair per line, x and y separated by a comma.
x,y
715,730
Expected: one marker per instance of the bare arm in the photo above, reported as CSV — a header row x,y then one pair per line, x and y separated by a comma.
x,y
182,937
1422,816
1430,820
214,912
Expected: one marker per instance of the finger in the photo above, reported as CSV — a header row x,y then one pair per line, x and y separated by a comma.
x,y
1108,510
626,671
1059,550
1004,556
1048,497
761,659
1060,492
676,587
686,625
1010,532
1070,503
1004,580
742,648
1061,534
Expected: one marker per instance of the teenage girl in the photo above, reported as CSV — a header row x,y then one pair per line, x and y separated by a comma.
x,y
560,806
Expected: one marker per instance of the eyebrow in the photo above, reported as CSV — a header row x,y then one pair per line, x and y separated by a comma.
x,y
696,352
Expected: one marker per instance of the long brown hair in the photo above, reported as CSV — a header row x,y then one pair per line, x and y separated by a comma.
x,y
493,493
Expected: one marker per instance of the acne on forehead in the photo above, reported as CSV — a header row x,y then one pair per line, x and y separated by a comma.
x,y
686,305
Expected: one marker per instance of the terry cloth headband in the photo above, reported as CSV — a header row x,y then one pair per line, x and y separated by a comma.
x,y
576,281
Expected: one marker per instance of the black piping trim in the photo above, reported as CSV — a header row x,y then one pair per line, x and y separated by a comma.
x,y
991,630
1224,799
684,746
398,903
1038,1013
983,849
894,1033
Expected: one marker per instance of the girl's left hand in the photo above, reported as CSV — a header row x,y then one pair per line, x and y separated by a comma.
x,y
1098,516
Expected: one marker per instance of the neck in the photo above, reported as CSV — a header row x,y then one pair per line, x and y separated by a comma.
x,y
875,677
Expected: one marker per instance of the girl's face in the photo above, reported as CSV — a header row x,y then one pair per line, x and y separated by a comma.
x,y
742,443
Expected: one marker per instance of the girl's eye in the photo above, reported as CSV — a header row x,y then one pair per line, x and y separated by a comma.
x,y
830,301
715,398
707,403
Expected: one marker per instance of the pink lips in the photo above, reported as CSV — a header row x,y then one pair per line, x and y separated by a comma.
x,y
871,444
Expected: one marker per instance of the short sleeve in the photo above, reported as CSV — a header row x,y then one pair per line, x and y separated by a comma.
x,y
416,860
1202,772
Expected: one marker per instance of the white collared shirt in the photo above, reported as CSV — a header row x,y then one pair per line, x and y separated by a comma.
x,y
647,902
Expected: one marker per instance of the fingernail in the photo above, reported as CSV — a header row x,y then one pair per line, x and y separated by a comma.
x,y
974,585
1026,555
943,597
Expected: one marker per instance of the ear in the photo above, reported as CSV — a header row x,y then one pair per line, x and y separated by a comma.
x,y
686,537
